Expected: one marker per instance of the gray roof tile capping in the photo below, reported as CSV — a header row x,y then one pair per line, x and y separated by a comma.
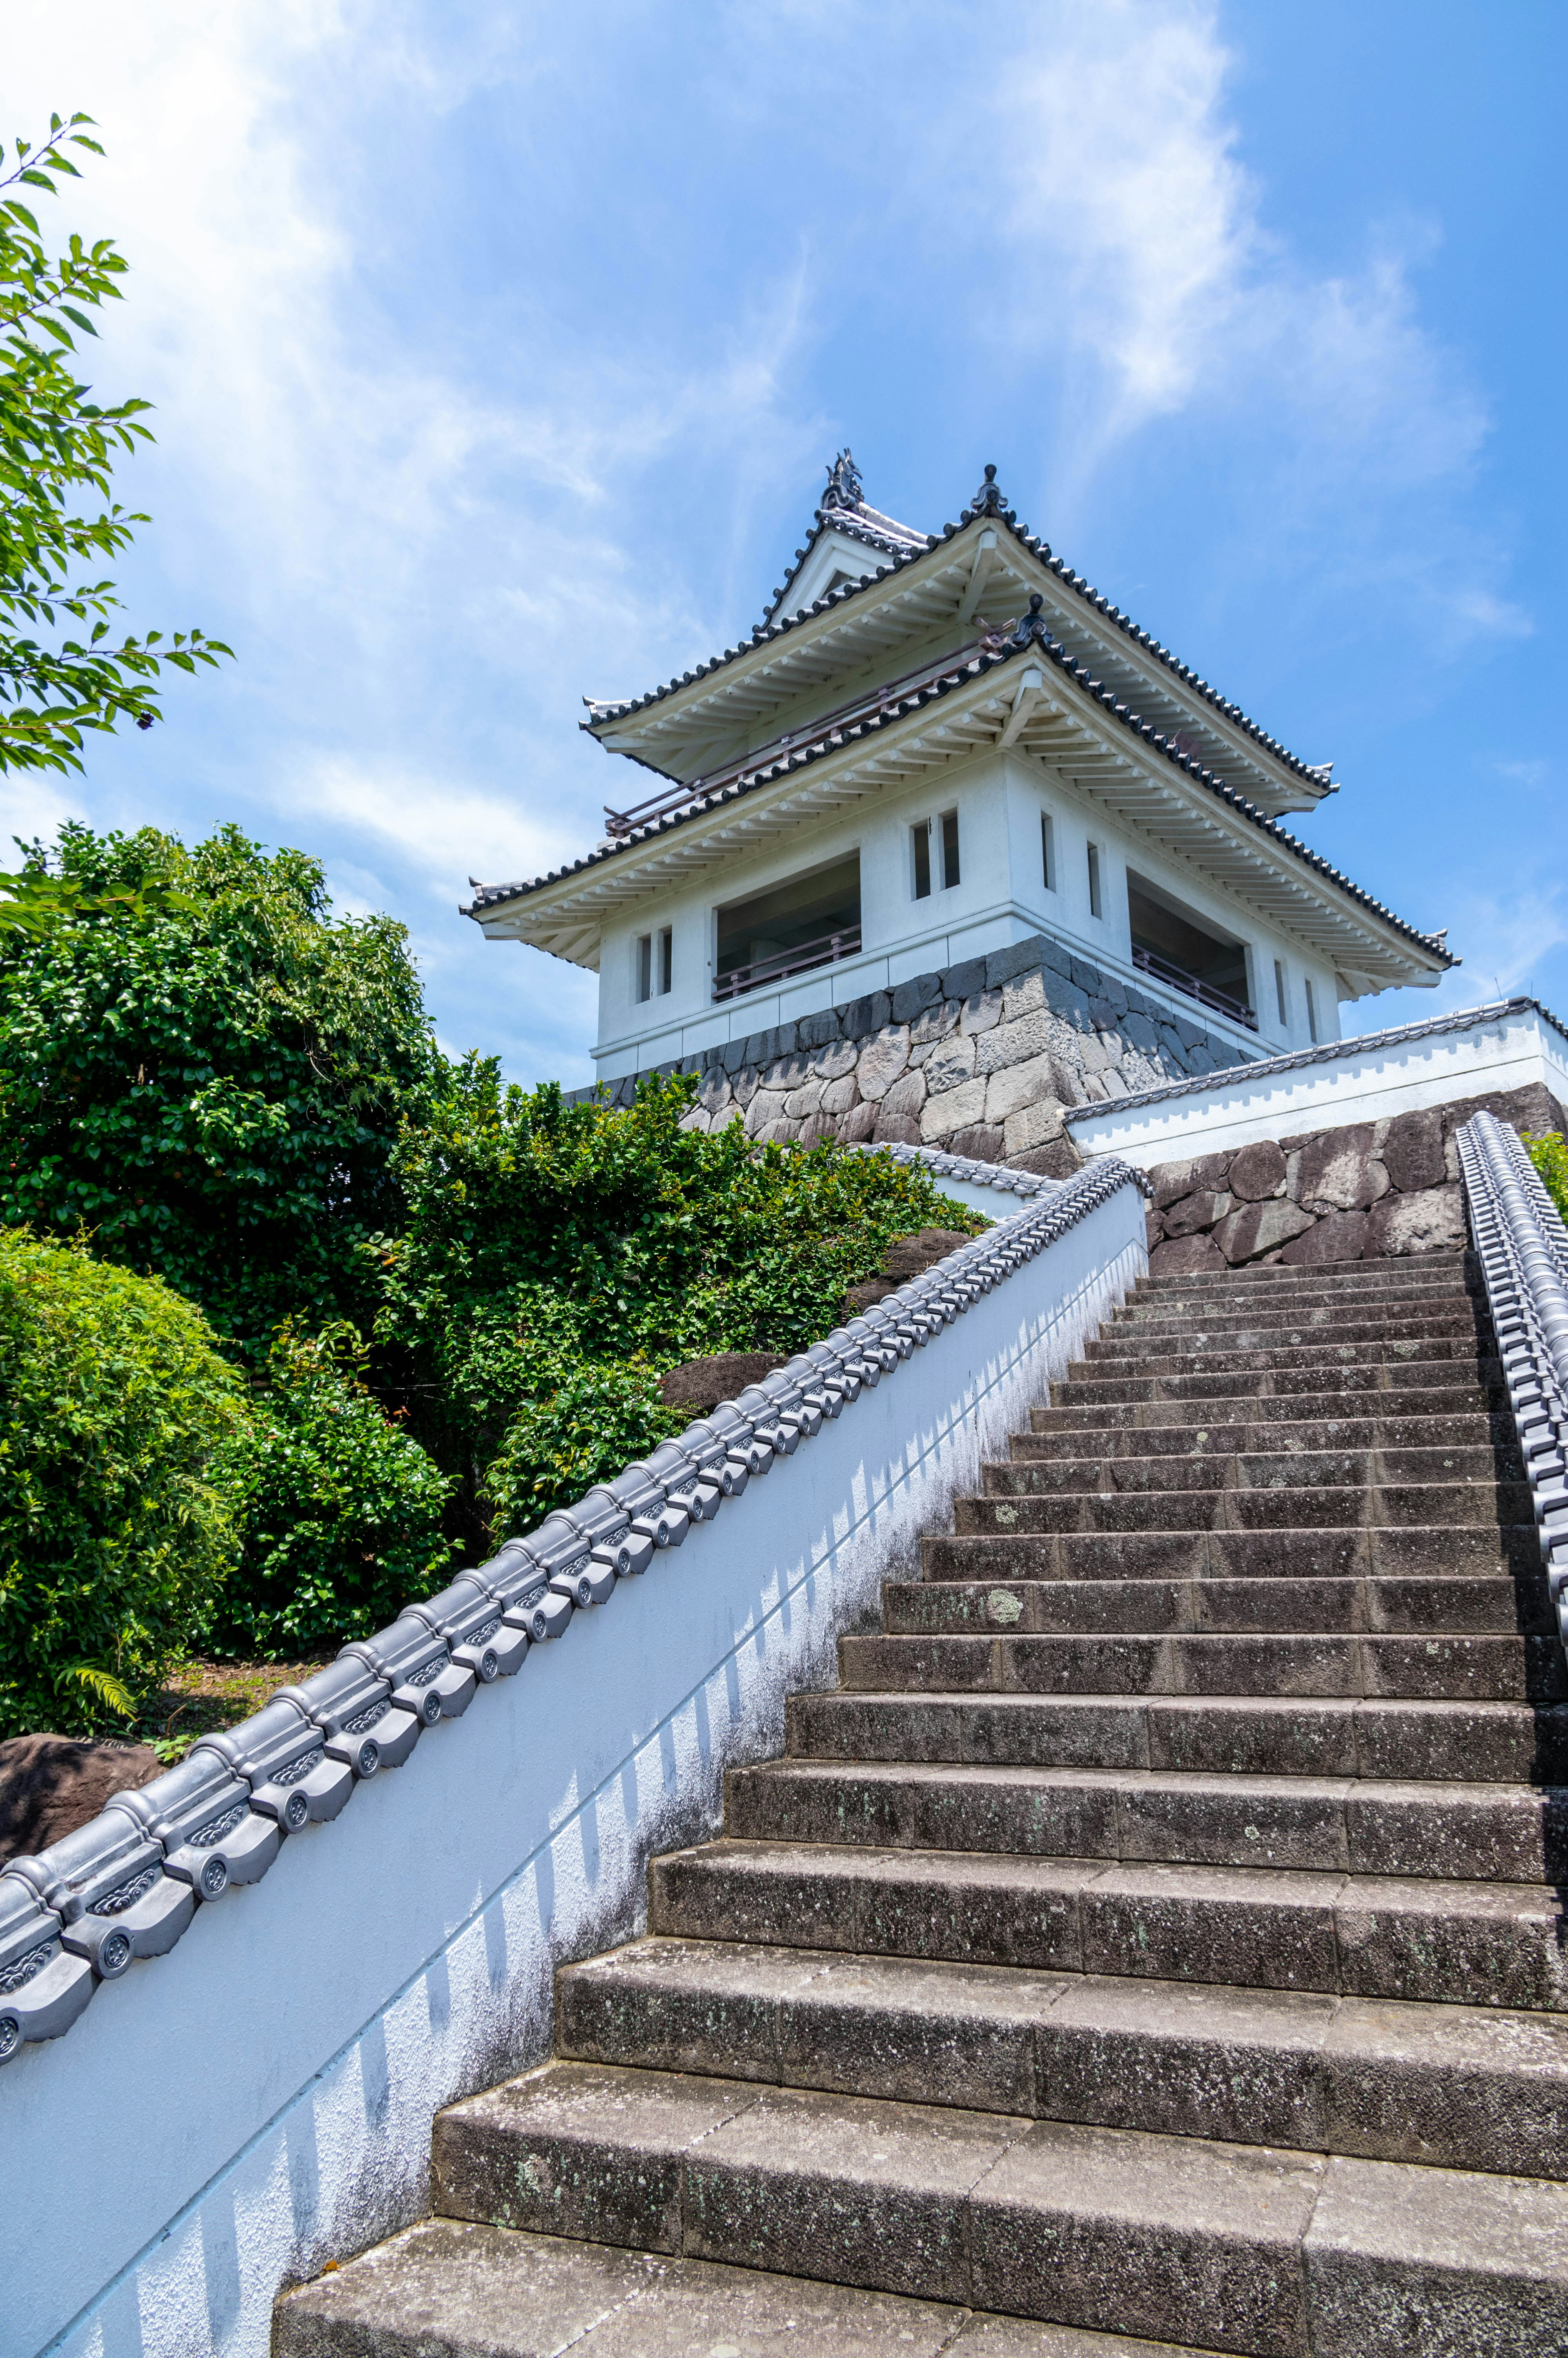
x,y
1260,1068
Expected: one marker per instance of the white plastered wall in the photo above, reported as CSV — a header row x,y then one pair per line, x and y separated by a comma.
x,y
1002,898
227,2118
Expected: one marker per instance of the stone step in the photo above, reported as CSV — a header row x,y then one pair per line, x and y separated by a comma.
x,y
1461,1383
1454,2087
1068,1432
1238,2247
1212,1355
1321,1412
1248,1469
1442,1941
1250,1507
1367,1827
1309,1551
1304,1663
1422,1313
1437,1332
1275,1735
1495,1608
452,2286
1431,1269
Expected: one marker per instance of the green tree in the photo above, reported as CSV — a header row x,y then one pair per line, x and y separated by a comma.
x,y
58,448
1549,1156
118,1524
206,1070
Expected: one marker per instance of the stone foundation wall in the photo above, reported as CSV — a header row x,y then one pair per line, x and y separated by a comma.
x,y
979,1059
1363,1192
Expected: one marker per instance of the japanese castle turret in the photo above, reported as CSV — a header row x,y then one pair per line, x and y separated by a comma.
x,y
944,845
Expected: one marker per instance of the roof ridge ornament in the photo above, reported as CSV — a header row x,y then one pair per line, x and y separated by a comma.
x,y
987,500
1033,626
844,488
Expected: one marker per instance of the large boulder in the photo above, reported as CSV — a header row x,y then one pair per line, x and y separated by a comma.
x,y
701,1384
1412,1151
1339,1171
1256,1172
50,1785
1338,1235
882,1063
1186,1256
1432,1220
1257,1228
1170,1181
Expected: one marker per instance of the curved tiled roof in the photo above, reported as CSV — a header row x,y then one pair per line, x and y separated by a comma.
x,y
1030,636
988,503
1327,1053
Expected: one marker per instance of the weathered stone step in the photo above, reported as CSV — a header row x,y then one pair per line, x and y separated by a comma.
x,y
1441,1941
1253,1506
1243,1353
1429,1268
1458,2087
1252,1470
1466,1383
1245,2248
1310,1552
1329,1736
1440,1332
1211,1413
1495,1608
451,2285
1478,1833
1056,1432
1463,1668
1439,1313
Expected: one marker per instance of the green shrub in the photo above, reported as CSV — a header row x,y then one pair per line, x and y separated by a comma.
x,y
118,1419
544,1241
344,1509
1549,1156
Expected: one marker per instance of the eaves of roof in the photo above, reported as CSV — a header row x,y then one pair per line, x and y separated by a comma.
x,y
1464,1018
867,526
599,711
1031,637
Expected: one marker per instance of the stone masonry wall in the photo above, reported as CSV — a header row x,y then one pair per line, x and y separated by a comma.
x,y
1363,1193
979,1059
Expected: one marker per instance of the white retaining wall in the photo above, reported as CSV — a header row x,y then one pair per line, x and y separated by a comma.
x,y
227,2118
1476,1055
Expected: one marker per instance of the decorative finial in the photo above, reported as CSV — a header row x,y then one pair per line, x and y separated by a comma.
x,y
1031,626
843,483
987,500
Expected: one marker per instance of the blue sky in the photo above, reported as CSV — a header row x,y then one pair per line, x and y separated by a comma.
x,y
498,353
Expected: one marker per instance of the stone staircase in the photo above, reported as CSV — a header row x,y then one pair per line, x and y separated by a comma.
x,y
1154,1934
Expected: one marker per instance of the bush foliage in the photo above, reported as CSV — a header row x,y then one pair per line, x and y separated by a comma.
x,y
118,1524
342,1511
1549,1156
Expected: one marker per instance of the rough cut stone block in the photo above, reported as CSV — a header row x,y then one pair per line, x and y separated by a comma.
x,y
1021,1085
1069,1002
907,1094
1012,1043
963,980
1140,1029
909,998
883,1061
1339,1171
859,1124
1338,1235
1056,1160
767,1105
815,1030
981,1012
1002,965
1192,1212
803,1101
1173,1180
1031,1128
1186,1256
1026,996
841,1096
1432,1220
1258,1170
954,1109
982,1141
1412,1151
895,1129
1088,979
1259,1227
950,1064
831,1063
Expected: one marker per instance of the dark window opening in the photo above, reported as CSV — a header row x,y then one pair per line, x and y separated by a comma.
x,y
644,966
921,837
666,959
1095,906
813,921
949,851
1047,852
1172,944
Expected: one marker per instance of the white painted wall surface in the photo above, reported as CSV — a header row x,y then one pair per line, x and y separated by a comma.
x,y
1002,898
227,2118
1363,1082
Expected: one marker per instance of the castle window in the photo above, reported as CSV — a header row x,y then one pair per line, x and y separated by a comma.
x,y
1095,906
1047,851
644,967
666,959
920,843
1180,949
1312,1015
813,920
949,849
